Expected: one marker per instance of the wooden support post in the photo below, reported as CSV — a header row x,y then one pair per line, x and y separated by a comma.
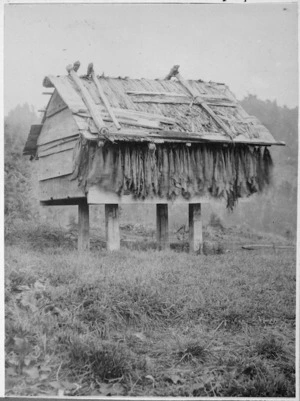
x,y
83,226
162,229
195,228
112,227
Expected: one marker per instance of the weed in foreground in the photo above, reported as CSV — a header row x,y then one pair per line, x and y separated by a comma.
x,y
192,351
269,348
249,377
257,382
101,361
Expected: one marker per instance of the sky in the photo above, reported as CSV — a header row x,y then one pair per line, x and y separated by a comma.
x,y
252,48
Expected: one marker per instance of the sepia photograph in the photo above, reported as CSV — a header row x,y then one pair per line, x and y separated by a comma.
x,y
150,199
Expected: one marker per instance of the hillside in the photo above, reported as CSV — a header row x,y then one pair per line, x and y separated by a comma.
x,y
280,208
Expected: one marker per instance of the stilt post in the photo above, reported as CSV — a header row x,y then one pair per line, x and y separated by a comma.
x,y
162,226
195,228
83,226
112,227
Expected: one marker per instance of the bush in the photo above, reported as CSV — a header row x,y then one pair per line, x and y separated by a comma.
x,y
216,222
102,360
269,348
20,201
213,247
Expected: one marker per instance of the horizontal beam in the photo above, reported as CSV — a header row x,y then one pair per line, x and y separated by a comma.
x,y
143,114
62,202
264,246
195,137
141,122
129,115
147,93
206,96
97,196
185,100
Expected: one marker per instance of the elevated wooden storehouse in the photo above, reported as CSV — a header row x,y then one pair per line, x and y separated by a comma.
x,y
119,141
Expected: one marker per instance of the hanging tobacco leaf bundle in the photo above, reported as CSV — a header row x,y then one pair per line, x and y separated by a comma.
x,y
169,171
267,167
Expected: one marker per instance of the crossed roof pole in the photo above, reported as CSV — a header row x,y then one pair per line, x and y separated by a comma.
x,y
96,114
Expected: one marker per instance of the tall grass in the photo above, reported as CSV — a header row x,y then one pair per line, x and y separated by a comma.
x,y
147,323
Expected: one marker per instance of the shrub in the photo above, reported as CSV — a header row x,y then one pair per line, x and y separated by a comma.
x,y
216,222
269,348
213,247
102,360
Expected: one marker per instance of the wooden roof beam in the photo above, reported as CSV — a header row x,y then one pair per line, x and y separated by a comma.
x,y
103,96
175,72
204,105
96,115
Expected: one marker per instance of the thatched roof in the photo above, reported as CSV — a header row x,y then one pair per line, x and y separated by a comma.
x,y
161,110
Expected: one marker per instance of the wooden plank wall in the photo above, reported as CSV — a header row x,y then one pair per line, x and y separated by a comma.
x,y
55,165
56,144
59,188
56,104
58,126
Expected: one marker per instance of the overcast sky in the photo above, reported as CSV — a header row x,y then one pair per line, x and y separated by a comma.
x,y
252,48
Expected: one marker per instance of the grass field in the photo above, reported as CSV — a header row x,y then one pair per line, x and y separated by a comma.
x,y
139,322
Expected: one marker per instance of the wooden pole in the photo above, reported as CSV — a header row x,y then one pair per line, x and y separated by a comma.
x,y
162,229
198,99
209,111
195,228
83,226
112,227
91,106
105,100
